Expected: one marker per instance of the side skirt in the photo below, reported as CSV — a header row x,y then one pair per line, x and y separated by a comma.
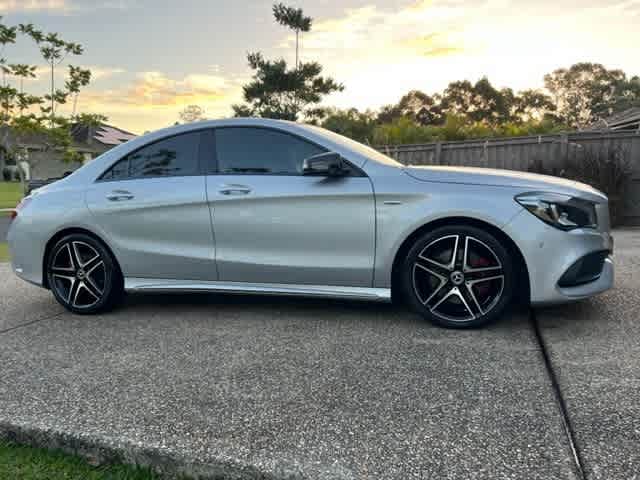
x,y
134,284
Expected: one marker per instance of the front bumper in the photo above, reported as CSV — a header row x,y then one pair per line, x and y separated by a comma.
x,y
603,283
549,253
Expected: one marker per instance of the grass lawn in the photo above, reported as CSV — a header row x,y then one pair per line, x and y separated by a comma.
x,y
26,463
10,194
4,253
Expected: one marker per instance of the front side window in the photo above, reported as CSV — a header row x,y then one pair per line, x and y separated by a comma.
x,y
171,157
247,150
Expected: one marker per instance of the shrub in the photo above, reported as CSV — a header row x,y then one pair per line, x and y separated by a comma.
x,y
404,130
6,174
607,169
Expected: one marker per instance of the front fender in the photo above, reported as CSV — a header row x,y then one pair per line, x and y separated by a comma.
x,y
398,216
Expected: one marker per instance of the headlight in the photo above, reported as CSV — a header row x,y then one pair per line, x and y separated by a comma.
x,y
561,211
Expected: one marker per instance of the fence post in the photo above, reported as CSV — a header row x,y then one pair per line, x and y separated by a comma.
x,y
485,154
438,152
564,149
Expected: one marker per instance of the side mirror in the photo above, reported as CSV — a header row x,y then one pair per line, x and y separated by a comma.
x,y
329,164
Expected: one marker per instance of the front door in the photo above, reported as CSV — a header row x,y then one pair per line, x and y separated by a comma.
x,y
274,225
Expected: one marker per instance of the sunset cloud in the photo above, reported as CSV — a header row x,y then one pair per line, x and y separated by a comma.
x,y
155,89
421,28
433,45
10,6
59,6
164,96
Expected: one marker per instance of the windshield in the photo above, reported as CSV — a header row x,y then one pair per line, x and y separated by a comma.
x,y
369,152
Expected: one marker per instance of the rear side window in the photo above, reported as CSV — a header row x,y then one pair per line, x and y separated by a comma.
x,y
255,151
171,157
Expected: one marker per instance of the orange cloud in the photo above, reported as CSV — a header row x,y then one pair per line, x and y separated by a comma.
x,y
153,100
155,89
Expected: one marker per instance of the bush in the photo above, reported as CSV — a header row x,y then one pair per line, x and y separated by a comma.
x,y
6,174
607,169
404,130
16,174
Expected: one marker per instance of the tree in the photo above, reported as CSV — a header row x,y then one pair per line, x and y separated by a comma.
x,y
626,95
532,105
277,91
294,19
585,92
26,114
350,123
54,50
417,105
77,79
481,102
457,98
192,113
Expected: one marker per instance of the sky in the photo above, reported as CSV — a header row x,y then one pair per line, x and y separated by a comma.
x,y
151,58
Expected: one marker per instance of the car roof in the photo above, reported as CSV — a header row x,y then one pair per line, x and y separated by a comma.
x,y
356,152
233,122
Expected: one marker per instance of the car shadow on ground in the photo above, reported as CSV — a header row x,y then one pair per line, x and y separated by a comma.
x,y
288,306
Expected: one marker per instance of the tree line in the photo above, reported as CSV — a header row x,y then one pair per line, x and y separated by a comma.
x,y
573,98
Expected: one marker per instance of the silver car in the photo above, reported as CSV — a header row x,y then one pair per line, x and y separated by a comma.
x,y
273,207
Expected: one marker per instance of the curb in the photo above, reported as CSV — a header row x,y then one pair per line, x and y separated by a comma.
x,y
109,450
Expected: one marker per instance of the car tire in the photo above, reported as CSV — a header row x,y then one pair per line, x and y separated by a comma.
x,y
458,276
83,275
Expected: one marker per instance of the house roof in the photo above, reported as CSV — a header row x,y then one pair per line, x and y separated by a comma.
x,y
104,134
626,120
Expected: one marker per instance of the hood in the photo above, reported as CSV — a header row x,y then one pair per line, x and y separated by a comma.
x,y
504,178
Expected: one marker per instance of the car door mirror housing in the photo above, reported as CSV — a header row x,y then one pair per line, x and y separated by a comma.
x,y
329,164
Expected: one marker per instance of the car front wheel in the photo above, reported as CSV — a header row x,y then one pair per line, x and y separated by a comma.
x,y
458,276
82,275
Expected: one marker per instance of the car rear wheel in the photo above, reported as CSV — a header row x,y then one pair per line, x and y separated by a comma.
x,y
458,276
83,275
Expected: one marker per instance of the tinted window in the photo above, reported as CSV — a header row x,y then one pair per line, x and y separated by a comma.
x,y
175,156
261,151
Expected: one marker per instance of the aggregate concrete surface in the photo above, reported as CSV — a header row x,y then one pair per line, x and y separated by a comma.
x,y
265,387
595,351
239,387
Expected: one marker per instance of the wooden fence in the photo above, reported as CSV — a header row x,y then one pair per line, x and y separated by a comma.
x,y
550,153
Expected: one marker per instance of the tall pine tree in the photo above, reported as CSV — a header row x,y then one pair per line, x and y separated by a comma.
x,y
277,91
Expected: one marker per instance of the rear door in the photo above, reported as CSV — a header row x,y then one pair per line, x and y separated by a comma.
x,y
152,204
274,225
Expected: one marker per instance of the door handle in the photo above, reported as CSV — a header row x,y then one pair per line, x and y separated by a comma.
x,y
119,195
233,189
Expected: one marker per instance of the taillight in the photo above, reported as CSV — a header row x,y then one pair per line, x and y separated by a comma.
x,y
23,203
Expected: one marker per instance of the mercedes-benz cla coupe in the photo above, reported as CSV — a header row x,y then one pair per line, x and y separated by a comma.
x,y
265,206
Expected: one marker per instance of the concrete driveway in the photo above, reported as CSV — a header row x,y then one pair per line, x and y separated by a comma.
x,y
264,387
594,349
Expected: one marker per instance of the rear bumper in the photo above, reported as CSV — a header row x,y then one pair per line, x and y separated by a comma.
x,y
26,249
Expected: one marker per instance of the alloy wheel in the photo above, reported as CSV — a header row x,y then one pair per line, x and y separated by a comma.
x,y
78,274
458,278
